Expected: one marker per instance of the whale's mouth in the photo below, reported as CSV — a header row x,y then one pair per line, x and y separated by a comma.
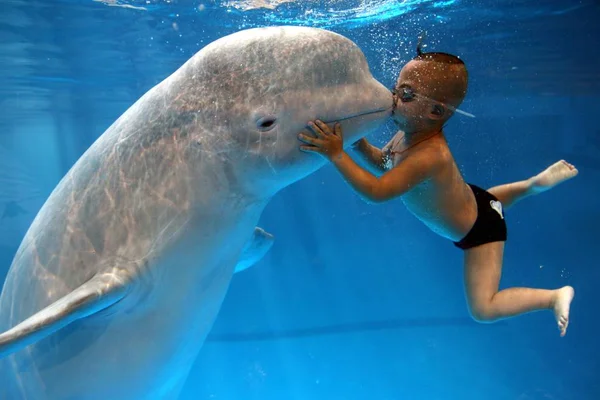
x,y
376,111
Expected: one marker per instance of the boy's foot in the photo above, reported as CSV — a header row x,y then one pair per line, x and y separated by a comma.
x,y
558,172
562,304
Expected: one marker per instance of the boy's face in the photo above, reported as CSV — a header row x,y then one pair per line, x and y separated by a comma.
x,y
412,111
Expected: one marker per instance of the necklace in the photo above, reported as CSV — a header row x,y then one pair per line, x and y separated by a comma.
x,y
414,144
387,157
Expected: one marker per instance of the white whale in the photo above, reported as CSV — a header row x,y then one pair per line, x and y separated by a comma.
x,y
120,277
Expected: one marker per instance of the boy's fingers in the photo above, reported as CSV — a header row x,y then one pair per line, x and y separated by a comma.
x,y
310,149
338,129
307,139
323,126
316,129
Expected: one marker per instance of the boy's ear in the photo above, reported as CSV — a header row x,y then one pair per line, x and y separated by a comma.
x,y
437,112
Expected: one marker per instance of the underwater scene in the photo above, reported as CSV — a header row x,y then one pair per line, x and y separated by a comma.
x,y
299,200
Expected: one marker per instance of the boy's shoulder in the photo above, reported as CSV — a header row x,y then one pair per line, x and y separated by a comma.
x,y
435,153
440,152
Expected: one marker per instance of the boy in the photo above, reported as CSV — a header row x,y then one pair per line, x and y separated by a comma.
x,y
427,93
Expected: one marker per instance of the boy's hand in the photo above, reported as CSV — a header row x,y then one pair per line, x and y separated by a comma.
x,y
327,143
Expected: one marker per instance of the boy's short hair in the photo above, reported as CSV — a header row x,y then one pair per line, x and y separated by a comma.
x,y
445,58
459,81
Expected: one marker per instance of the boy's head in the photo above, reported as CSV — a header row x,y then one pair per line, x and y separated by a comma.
x,y
428,91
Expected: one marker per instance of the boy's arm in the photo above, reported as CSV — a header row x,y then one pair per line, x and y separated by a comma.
x,y
411,171
405,175
373,156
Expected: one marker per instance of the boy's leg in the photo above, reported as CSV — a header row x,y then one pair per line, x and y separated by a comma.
x,y
483,269
511,193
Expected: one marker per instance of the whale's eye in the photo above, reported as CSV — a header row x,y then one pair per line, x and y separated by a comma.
x,y
266,123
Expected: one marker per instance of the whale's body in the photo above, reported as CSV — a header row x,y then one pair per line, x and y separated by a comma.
x,y
122,273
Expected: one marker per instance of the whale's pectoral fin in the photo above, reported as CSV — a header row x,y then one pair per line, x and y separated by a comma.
x,y
97,294
256,248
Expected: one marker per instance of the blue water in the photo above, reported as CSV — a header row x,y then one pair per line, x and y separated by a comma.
x,y
354,301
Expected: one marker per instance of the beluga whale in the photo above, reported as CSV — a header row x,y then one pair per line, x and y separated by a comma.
x,y
120,276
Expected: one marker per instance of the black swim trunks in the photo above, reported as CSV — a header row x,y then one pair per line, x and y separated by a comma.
x,y
490,225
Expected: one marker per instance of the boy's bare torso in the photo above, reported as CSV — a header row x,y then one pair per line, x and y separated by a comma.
x,y
443,202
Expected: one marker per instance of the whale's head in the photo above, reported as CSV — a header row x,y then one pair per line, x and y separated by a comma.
x,y
256,90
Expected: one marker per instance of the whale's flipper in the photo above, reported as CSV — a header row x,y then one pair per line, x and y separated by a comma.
x,y
260,243
97,294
